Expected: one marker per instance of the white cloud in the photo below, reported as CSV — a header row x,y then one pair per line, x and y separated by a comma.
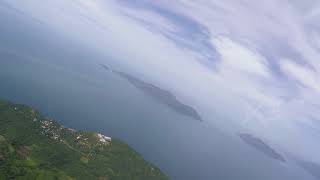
x,y
237,57
305,76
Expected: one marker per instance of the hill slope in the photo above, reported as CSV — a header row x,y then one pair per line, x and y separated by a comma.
x,y
35,147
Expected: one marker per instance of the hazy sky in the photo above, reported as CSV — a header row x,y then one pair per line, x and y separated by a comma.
x,y
254,62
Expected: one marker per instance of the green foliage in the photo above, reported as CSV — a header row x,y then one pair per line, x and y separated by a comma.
x,y
34,147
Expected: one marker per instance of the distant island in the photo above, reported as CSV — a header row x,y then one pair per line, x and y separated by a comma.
x,y
261,146
161,95
36,147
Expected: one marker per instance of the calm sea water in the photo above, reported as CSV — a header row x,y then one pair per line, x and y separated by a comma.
x,y
64,81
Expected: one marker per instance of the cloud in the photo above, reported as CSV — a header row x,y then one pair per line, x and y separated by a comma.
x,y
303,75
236,57
263,54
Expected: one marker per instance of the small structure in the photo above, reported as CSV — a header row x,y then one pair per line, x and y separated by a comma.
x,y
71,130
103,138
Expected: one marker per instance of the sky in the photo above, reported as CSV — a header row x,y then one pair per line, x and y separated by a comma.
x,y
252,64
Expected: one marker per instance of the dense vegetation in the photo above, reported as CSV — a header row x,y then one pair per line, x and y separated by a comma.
x,y
35,147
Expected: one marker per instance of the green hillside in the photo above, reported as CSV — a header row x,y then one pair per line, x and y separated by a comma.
x,y
35,147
